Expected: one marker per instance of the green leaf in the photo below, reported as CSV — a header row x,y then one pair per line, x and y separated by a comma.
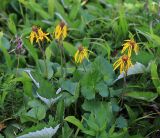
x,y
131,113
88,92
5,43
69,86
102,66
155,77
88,83
31,50
42,69
146,96
69,48
60,110
102,88
48,53
75,8
91,121
6,55
74,121
38,110
60,11
32,5
102,112
143,57
66,131
43,133
121,122
51,5
46,89
27,85
11,24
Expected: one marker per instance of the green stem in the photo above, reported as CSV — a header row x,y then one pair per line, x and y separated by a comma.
x,y
61,61
44,58
124,87
17,63
84,67
77,131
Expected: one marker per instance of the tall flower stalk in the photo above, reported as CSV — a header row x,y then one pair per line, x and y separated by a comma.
x,y
124,62
60,34
39,36
81,54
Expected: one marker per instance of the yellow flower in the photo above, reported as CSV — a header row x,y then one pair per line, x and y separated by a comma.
x,y
42,35
37,34
33,34
81,54
124,62
61,31
130,45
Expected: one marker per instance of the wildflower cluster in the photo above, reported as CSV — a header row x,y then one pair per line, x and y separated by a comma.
x,y
124,62
38,35
60,34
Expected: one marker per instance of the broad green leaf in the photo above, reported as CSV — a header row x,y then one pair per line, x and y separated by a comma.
x,y
121,122
143,57
88,83
102,88
38,110
5,43
46,89
43,133
27,85
146,96
74,121
91,121
155,77
46,68
49,102
69,86
105,69
88,92
89,132
69,48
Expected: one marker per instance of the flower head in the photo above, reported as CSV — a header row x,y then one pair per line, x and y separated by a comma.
x,y
81,54
33,34
124,62
19,42
42,35
38,35
61,31
130,45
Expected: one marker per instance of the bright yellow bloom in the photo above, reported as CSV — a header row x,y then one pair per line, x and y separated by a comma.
x,y
81,54
130,45
61,31
124,62
37,34
33,34
42,35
